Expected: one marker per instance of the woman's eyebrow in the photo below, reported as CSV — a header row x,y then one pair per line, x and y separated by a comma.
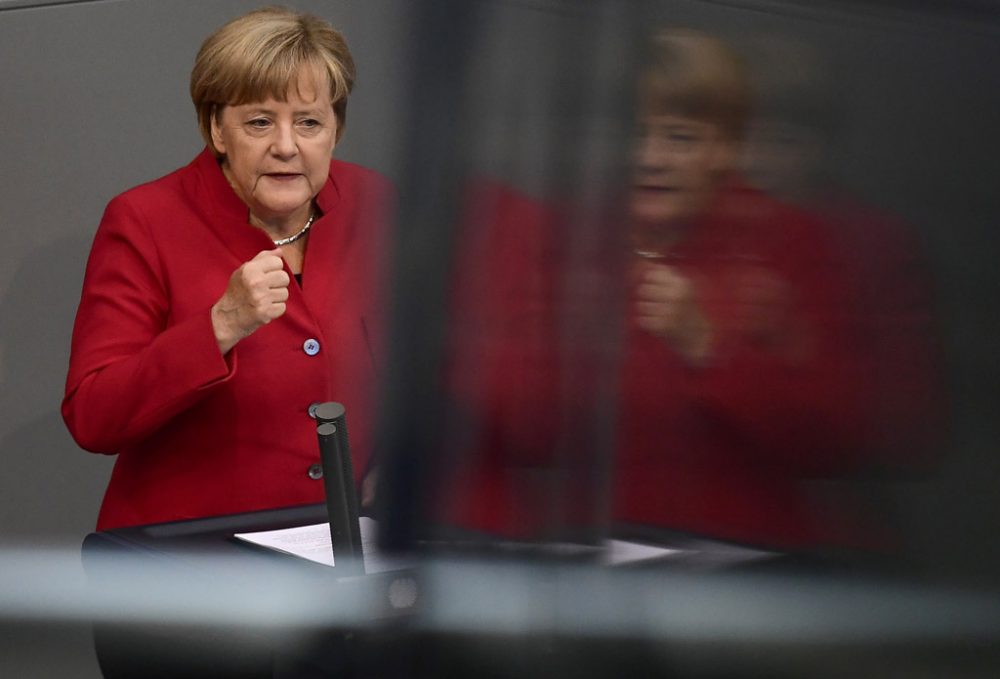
x,y
311,110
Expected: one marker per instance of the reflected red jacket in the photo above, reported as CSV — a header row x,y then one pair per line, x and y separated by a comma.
x,y
719,449
196,433
725,449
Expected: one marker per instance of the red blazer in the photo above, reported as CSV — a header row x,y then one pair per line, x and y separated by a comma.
x,y
723,449
726,449
196,433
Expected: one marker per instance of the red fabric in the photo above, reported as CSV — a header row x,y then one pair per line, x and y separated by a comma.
x,y
196,433
503,368
891,294
718,449
721,449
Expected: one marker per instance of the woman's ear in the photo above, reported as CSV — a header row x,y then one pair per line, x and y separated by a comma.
x,y
217,139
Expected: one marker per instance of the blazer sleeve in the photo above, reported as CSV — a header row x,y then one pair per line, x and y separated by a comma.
x,y
132,365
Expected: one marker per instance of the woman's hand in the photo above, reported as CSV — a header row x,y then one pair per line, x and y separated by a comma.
x,y
665,306
255,296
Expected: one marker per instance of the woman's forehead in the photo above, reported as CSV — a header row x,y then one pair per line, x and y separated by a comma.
x,y
309,83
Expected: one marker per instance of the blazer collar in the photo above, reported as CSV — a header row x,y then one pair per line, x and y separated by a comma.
x,y
228,215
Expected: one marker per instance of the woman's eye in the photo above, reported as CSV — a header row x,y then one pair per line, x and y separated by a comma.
x,y
258,123
309,123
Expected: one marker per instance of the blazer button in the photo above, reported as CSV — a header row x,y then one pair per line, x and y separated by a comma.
x,y
315,471
311,347
312,409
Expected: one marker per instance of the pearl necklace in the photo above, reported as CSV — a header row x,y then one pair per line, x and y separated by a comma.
x,y
295,236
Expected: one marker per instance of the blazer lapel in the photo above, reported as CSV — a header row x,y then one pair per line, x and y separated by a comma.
x,y
226,215
327,242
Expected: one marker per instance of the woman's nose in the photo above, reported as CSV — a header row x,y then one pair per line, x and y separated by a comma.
x,y
651,154
284,144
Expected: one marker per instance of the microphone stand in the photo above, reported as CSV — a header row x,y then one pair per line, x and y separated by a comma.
x,y
341,494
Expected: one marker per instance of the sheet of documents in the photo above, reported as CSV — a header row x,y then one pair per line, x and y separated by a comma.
x,y
307,542
313,543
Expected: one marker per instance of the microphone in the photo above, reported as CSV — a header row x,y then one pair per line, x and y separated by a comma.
x,y
338,481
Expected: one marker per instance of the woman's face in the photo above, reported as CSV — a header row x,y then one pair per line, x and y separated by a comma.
x,y
678,163
277,154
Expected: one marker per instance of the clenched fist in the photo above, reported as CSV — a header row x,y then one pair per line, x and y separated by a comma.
x,y
666,306
255,296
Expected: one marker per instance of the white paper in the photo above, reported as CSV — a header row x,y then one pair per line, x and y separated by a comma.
x,y
314,543
307,542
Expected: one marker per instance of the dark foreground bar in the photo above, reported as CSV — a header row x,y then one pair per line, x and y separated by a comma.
x,y
185,599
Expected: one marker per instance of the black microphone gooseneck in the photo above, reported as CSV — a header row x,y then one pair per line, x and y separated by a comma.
x,y
338,481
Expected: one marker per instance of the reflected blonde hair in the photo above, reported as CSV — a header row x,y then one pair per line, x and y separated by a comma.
x,y
695,75
261,55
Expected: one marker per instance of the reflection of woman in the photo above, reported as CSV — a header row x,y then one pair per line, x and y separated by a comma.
x,y
736,369
738,373
224,299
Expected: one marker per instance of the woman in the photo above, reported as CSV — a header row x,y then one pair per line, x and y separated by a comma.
x,y
224,299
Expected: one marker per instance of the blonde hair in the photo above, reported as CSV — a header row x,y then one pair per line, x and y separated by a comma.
x,y
260,55
694,75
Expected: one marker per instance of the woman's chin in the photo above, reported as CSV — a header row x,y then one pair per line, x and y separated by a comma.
x,y
279,210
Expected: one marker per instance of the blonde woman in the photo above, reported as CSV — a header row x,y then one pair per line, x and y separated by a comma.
x,y
224,299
